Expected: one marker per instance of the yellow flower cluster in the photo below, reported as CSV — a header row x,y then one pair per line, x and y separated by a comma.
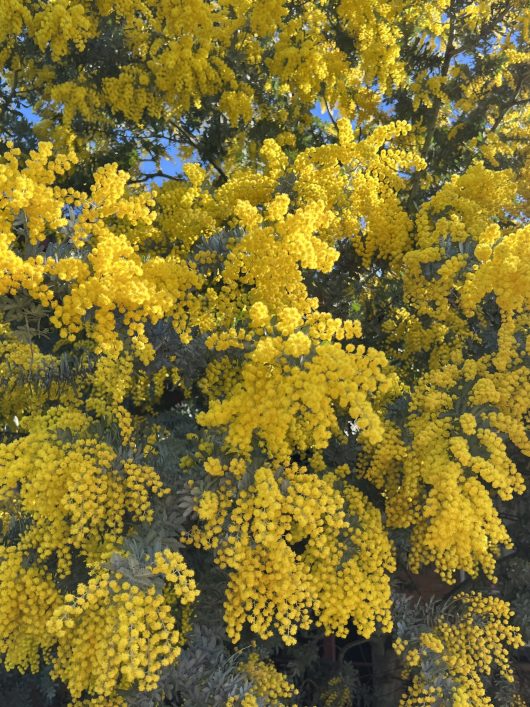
x,y
172,566
248,700
198,40
120,290
291,383
109,385
344,54
441,482
503,272
110,635
337,693
99,702
77,493
346,190
230,260
30,188
60,23
30,390
268,683
294,544
29,597
114,280
463,651
438,487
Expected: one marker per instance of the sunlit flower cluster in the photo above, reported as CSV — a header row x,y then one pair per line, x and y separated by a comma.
x,y
285,542
76,491
110,635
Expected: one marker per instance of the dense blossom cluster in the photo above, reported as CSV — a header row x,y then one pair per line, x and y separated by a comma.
x,y
464,410
289,387
112,280
76,492
299,372
111,634
269,683
474,644
296,544
29,597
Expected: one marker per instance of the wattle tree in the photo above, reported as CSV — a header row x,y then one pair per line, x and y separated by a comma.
x,y
264,353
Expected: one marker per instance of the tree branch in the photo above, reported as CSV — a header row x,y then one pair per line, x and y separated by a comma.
x,y
152,175
328,109
191,140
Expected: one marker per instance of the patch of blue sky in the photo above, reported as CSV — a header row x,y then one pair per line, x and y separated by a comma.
x,y
169,166
28,113
320,111
20,107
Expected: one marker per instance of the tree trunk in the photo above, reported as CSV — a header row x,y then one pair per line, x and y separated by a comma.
x,y
386,681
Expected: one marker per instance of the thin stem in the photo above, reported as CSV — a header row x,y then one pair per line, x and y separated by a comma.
x,y
328,109
151,175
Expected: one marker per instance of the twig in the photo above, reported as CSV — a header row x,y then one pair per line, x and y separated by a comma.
x,y
151,175
191,139
330,114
